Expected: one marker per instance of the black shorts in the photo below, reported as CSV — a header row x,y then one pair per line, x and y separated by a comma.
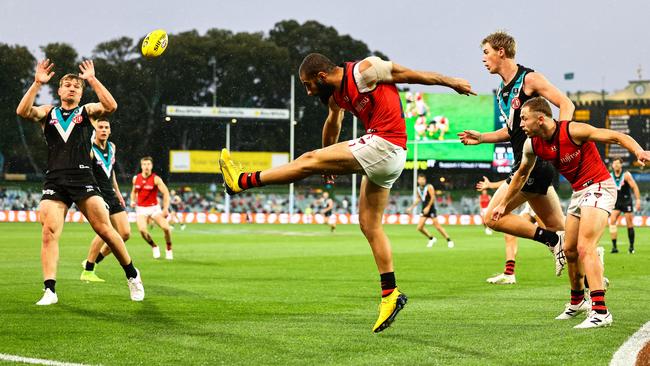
x,y
624,206
113,203
432,213
70,186
540,178
328,213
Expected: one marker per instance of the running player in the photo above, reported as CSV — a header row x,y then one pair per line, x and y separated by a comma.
x,y
69,177
144,197
427,196
327,209
367,89
518,85
571,147
175,206
103,161
624,182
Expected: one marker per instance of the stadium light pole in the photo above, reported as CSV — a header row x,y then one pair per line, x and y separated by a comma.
x,y
292,122
354,176
415,168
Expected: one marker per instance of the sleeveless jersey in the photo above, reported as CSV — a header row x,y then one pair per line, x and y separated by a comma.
x,y
68,137
510,98
425,196
484,200
326,203
103,163
146,189
380,110
623,188
581,165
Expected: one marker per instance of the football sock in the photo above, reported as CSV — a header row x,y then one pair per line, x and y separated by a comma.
x,y
90,266
250,180
614,243
130,271
50,284
546,237
387,283
148,239
510,268
598,302
630,236
430,237
449,239
586,283
169,245
100,257
577,296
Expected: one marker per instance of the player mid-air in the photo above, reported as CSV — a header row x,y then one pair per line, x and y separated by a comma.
x,y
426,195
367,89
69,178
519,84
144,197
571,147
624,183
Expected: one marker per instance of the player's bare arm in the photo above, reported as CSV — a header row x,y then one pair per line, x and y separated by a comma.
x,y
118,193
415,203
518,179
332,125
134,194
432,194
582,132
401,74
473,137
107,103
487,184
635,188
26,108
536,82
162,187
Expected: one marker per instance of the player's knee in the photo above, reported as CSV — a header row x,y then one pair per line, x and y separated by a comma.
x,y
48,234
489,222
126,235
585,251
307,161
144,233
612,229
571,254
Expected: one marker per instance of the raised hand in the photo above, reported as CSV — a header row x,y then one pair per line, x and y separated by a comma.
x,y
87,69
44,71
484,184
462,86
470,137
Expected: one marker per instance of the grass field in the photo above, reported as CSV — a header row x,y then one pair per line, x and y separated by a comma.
x,y
296,294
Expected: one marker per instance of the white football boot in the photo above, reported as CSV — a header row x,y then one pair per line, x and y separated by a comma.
x,y
431,242
595,320
48,298
450,244
571,311
169,255
502,279
558,254
156,252
136,288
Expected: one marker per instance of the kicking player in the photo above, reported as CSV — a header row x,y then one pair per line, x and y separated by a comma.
x,y
367,89
327,209
144,197
69,177
103,162
518,85
624,182
427,196
570,147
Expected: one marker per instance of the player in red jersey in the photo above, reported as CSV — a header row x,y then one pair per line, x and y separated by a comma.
x,y
483,202
367,89
570,147
144,197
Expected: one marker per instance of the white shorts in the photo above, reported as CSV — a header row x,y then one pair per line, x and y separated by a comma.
x,y
483,211
381,160
601,195
149,211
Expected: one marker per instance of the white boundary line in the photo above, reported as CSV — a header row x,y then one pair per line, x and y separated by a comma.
x,y
626,355
37,361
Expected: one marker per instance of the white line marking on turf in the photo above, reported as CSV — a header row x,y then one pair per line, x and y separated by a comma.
x,y
37,361
628,352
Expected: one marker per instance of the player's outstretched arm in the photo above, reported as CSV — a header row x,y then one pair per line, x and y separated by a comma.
x,y
107,103
582,132
401,74
472,137
539,84
518,180
26,108
487,184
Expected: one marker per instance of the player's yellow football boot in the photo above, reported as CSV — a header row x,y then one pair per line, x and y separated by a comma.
x,y
388,309
230,173
90,276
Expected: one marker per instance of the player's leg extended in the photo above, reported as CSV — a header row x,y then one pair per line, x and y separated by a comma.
x,y
548,209
422,229
578,304
333,159
95,211
52,215
164,225
629,221
613,229
88,274
509,223
142,221
440,229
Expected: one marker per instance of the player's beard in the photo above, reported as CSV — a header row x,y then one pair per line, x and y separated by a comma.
x,y
325,91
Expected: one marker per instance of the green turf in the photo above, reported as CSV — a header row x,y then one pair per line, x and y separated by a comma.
x,y
272,294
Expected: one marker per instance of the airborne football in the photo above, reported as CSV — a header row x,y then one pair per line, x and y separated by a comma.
x,y
328,183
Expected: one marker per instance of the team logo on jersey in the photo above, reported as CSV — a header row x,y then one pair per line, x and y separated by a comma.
x,y
530,181
516,103
54,121
77,119
515,90
48,192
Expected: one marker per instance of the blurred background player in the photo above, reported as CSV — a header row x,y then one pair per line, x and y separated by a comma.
x,y
422,111
367,89
438,124
409,108
144,197
103,154
176,206
483,202
427,197
69,177
624,182
326,208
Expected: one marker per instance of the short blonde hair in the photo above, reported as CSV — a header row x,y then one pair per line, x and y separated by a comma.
x,y
539,105
503,40
72,77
